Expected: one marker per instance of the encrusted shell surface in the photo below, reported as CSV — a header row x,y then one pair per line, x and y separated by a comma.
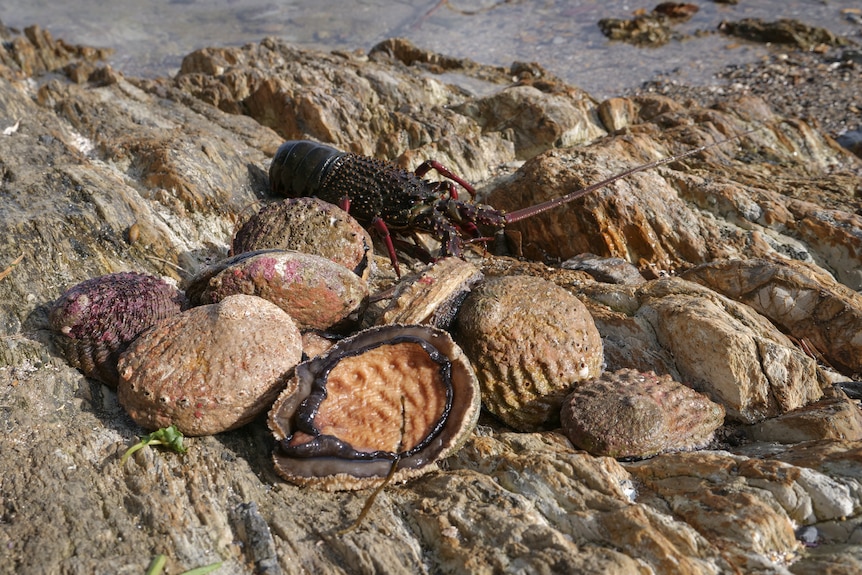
x,y
315,291
530,342
392,392
96,319
210,369
628,413
312,226
433,295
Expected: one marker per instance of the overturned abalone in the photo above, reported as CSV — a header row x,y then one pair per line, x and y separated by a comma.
x,y
96,319
401,395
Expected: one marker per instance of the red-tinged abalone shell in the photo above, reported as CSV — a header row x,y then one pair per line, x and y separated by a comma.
x,y
315,291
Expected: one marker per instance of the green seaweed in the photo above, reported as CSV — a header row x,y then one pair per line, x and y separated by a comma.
x,y
170,437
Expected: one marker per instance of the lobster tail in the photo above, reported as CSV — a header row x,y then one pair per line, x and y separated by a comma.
x,y
300,166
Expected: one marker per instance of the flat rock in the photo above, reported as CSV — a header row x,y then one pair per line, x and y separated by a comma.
x,y
830,418
716,345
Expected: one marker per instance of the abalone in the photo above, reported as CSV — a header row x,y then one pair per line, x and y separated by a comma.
x,y
96,319
402,395
211,368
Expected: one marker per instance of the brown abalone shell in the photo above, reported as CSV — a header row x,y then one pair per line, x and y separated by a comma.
x,y
315,291
392,395
530,342
309,225
628,413
211,368
96,319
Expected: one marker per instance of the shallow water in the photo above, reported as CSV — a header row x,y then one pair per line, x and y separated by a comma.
x,y
150,38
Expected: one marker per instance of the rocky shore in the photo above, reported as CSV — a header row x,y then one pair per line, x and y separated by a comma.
x,y
741,278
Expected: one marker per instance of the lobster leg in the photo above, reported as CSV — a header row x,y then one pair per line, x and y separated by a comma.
x,y
429,165
381,228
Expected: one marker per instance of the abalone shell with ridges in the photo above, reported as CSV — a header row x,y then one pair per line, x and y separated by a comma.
x,y
96,319
315,291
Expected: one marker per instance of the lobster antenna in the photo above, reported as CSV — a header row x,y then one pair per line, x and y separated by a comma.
x,y
527,212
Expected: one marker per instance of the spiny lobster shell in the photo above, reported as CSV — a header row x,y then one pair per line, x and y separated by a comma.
x,y
376,188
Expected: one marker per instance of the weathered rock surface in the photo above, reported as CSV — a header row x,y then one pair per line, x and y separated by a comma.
x,y
799,298
829,418
671,219
105,174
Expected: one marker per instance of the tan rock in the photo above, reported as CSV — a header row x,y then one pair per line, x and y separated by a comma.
x,y
37,52
717,346
589,499
471,501
834,418
671,218
538,120
617,113
716,493
730,352
378,108
800,298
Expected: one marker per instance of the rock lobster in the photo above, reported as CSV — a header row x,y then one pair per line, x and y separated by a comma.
x,y
381,195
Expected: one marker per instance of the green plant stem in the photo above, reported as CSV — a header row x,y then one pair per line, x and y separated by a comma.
x,y
156,565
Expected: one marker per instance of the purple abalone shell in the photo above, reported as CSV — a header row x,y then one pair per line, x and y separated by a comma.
x,y
98,318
